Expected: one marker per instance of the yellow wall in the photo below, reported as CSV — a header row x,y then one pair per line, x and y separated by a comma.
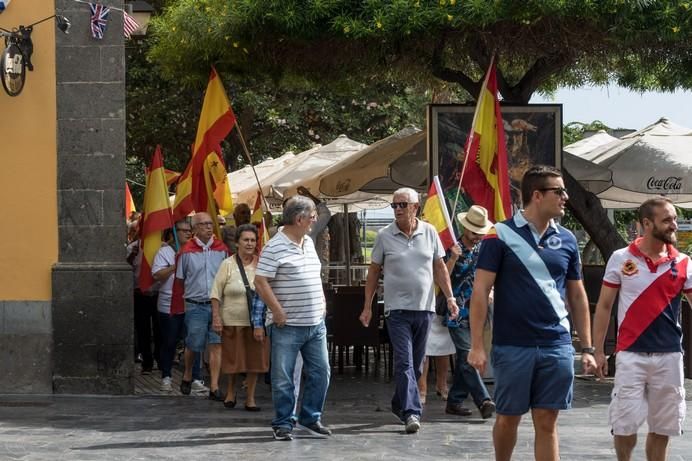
x,y
28,164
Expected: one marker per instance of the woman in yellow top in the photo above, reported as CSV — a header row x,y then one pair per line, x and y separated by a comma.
x,y
244,349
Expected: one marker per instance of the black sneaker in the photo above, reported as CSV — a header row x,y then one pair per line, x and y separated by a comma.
x,y
217,395
282,433
316,429
399,416
185,387
487,409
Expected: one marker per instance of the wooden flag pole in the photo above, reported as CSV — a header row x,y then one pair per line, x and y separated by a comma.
x,y
246,151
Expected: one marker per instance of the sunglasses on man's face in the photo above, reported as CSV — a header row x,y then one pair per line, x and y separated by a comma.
x,y
402,205
559,191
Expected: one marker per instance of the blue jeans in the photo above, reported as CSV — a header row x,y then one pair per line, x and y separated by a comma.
x,y
466,378
408,333
172,329
286,342
198,327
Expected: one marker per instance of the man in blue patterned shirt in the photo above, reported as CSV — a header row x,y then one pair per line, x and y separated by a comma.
x,y
461,264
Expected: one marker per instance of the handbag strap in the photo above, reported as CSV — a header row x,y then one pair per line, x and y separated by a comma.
x,y
248,289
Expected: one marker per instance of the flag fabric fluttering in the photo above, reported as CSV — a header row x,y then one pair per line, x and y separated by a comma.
x,y
129,203
484,176
435,213
205,177
129,24
99,19
171,176
156,217
258,220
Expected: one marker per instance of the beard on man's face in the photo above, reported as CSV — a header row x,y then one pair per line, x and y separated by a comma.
x,y
664,236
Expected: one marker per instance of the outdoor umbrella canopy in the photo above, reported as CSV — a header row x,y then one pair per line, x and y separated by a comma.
x,y
243,183
656,160
592,176
381,168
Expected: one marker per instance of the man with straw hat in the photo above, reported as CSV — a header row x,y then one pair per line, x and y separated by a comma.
x,y
461,263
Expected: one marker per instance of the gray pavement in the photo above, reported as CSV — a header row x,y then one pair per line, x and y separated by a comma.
x,y
193,428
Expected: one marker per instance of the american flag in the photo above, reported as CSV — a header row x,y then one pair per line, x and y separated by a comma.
x,y
129,24
99,19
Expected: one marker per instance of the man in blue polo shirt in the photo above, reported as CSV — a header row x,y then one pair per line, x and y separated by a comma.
x,y
534,265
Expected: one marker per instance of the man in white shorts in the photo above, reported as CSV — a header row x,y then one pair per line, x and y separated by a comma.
x,y
649,276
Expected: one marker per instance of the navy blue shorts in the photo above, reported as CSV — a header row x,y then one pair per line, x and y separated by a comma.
x,y
532,377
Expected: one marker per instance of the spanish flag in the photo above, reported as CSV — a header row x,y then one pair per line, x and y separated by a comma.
x,y
435,213
204,184
484,176
156,219
129,203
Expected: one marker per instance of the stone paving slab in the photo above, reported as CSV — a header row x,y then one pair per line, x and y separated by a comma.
x,y
193,428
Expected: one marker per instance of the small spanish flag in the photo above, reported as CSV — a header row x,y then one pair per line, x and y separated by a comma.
x,y
435,213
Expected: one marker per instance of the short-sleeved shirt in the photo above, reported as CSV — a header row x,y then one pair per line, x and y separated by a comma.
x,y
293,273
531,279
649,298
462,276
164,258
197,266
408,266
229,289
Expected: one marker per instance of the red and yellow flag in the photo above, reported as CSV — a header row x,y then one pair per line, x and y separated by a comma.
x,y
171,176
257,219
204,184
129,203
484,176
156,218
435,212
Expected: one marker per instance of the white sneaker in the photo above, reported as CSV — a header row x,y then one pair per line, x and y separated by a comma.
x,y
412,424
167,384
198,386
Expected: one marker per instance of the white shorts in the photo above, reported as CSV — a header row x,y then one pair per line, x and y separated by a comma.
x,y
648,387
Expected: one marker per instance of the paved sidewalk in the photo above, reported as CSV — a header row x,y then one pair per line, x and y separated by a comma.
x,y
193,428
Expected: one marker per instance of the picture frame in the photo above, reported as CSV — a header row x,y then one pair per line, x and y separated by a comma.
x,y
533,133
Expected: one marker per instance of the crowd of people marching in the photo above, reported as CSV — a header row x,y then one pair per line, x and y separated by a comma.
x,y
255,312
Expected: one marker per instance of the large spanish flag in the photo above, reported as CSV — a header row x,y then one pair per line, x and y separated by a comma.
x,y
435,212
205,178
484,176
157,217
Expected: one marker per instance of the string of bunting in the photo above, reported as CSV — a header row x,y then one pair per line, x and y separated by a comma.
x,y
99,19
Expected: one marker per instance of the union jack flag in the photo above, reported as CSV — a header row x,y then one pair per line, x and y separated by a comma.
x,y
99,19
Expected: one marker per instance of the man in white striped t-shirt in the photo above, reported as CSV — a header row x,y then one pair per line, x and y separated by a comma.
x,y
288,281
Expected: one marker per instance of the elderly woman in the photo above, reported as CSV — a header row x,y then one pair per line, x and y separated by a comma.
x,y
244,348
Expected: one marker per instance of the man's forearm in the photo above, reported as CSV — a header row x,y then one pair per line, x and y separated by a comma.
x,y
371,285
477,314
582,322
267,294
441,276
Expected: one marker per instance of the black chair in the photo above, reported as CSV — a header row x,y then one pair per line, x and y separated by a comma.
x,y
347,331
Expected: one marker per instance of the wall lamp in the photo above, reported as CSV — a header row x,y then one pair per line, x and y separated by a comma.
x,y
16,58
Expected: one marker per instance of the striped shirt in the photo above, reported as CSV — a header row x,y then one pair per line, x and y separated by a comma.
x,y
293,273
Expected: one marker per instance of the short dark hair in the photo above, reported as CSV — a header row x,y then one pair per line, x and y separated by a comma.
x,y
246,228
646,209
535,179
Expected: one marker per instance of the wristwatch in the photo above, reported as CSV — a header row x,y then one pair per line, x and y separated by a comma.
x,y
588,350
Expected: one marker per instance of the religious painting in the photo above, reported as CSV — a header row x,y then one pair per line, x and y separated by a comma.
x,y
533,135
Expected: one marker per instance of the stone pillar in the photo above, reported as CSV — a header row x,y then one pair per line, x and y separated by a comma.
x,y
92,284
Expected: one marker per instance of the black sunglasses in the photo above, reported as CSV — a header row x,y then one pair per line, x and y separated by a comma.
x,y
396,205
558,190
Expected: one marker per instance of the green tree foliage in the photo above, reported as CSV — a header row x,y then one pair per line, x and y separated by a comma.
x,y
274,118
540,44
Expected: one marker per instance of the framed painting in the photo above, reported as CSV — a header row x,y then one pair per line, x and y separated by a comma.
x,y
533,134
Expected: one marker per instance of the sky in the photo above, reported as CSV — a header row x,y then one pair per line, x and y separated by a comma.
x,y
621,108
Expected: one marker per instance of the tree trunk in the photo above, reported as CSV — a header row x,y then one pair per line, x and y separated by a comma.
x,y
586,207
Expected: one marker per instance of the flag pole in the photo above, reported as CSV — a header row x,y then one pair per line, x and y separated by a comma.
x,y
246,151
469,142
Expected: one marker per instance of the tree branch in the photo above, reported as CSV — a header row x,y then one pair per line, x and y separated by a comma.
x,y
447,74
